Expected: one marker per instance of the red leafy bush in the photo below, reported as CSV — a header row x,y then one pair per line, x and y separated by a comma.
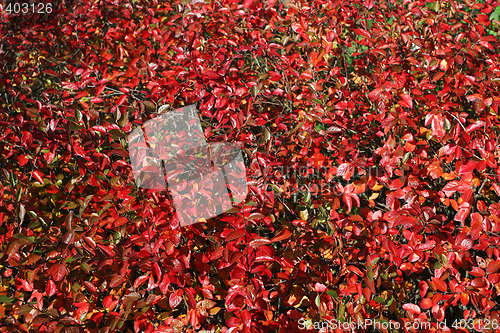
x,y
371,136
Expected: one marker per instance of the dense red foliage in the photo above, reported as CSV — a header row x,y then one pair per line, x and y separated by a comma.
x,y
370,130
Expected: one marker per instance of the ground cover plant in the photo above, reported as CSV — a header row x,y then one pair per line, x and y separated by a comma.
x,y
370,133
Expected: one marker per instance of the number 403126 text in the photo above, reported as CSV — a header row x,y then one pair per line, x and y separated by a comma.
x,y
28,8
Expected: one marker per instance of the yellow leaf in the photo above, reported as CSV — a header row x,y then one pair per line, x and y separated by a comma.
x,y
214,310
304,214
448,176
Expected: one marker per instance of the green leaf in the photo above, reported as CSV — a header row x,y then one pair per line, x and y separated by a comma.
x,y
78,115
6,299
275,188
333,294
317,301
323,211
320,102
123,121
307,197
85,268
495,15
341,312
73,258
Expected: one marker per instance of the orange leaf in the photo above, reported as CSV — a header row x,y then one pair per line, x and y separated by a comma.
x,y
440,284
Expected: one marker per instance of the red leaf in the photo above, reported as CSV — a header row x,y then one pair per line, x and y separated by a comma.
x,y
212,75
109,302
467,168
426,303
51,72
116,280
472,127
50,288
375,94
319,287
235,234
164,284
258,241
90,287
466,244
58,271
121,100
157,271
68,237
22,160
429,245
363,32
412,308
437,125
99,128
451,187
175,298
406,101
342,169
355,270
296,27
341,105
406,221
283,234
348,201
27,139
493,266
100,89
435,171
140,280
423,287
496,188
479,283
81,94
247,3
261,258
120,221
461,216
306,75
89,241
254,216
38,176
476,271
440,284
438,312
474,97
107,249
